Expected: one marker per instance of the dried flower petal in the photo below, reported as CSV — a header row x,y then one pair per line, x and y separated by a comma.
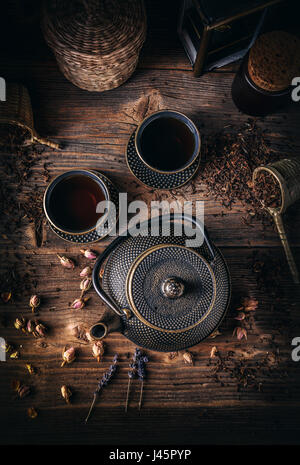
x,y
213,351
15,355
86,272
240,316
32,413
68,355
20,323
66,393
30,368
85,284
88,253
240,333
188,358
98,350
34,302
66,262
6,296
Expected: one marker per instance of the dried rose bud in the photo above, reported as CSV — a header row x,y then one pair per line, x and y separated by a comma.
x,y
68,356
98,350
32,413
30,368
249,304
86,272
240,333
34,302
88,253
188,358
79,303
23,391
213,351
20,323
240,316
15,355
6,296
30,327
85,284
66,262
40,330
66,393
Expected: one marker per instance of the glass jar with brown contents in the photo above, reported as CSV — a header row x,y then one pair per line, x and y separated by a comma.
x,y
263,83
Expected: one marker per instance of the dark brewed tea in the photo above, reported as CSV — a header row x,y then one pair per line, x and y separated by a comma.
x,y
73,203
167,144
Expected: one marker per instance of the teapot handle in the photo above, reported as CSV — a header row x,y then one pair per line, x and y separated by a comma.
x,y
96,281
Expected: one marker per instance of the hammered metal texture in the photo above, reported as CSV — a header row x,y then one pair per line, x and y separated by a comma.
x,y
114,284
94,236
153,178
157,309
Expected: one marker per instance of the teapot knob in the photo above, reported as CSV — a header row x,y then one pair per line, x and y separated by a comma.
x,y
172,288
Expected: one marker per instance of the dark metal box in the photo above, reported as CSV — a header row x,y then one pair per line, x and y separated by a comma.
x,y
217,32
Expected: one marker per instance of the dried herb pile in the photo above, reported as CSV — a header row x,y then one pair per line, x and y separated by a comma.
x,y
229,161
267,190
20,198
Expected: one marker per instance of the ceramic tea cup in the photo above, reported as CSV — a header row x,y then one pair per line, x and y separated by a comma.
x,y
71,199
167,142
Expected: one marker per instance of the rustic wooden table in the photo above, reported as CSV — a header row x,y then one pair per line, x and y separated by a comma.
x,y
182,404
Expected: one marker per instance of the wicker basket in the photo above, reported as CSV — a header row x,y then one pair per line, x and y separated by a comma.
x,y
17,111
96,42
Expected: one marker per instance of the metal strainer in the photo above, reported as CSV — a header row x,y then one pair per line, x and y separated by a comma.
x,y
287,173
17,110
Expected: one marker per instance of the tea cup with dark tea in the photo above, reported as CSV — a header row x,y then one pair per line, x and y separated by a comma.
x,y
167,142
71,199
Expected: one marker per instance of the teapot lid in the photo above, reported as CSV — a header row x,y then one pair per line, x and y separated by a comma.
x,y
171,288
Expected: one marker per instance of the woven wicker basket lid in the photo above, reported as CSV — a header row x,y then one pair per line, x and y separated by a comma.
x,y
96,27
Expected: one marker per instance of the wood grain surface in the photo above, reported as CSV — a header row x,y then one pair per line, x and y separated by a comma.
x,y
199,404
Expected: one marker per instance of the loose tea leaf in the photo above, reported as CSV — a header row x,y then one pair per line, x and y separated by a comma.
x,y
229,161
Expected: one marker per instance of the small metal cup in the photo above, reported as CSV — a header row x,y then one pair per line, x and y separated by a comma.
x,y
287,174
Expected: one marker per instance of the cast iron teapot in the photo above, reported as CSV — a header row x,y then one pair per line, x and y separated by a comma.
x,y
164,296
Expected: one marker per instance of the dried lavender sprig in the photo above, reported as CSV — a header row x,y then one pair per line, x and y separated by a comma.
x,y
142,375
132,373
106,378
